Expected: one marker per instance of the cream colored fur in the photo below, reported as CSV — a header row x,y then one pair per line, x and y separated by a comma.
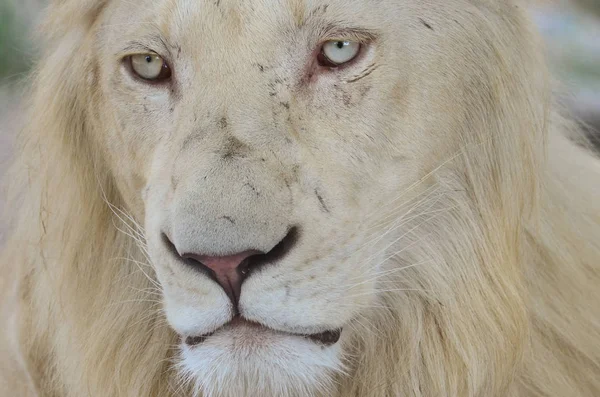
x,y
447,223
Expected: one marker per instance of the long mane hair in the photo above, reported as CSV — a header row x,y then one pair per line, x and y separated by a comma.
x,y
504,306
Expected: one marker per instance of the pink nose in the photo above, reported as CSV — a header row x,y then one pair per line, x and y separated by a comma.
x,y
228,271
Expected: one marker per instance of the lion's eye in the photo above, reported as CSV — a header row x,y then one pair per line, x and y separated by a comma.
x,y
150,67
335,53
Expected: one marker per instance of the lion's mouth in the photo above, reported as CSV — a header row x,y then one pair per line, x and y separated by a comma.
x,y
327,338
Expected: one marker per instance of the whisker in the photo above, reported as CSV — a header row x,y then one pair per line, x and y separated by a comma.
x,y
379,291
388,273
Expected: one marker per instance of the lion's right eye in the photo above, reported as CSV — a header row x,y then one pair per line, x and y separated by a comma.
x,y
150,67
336,53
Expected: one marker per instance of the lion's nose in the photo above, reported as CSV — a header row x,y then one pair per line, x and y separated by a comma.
x,y
230,271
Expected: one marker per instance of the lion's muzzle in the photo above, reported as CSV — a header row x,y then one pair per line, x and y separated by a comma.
x,y
232,270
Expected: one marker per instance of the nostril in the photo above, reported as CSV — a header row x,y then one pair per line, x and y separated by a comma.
x,y
256,262
187,259
221,264
230,271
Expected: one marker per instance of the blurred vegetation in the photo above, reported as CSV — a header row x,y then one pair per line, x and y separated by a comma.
x,y
593,5
14,42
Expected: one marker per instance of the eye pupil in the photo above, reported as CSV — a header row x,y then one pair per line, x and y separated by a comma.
x,y
340,44
148,58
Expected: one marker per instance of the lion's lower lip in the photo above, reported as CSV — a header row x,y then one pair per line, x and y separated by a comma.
x,y
326,338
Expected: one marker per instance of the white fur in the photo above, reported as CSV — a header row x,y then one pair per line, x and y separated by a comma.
x,y
242,362
445,221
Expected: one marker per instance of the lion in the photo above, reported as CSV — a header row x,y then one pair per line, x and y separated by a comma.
x,y
299,198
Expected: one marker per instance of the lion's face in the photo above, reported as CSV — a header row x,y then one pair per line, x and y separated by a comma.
x,y
256,163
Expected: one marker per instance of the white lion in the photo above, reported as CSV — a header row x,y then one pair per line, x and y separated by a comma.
x,y
299,198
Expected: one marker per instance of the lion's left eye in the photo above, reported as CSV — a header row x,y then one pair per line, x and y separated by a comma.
x,y
335,52
150,67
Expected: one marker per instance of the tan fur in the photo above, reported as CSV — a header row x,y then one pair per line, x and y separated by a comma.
x,y
447,221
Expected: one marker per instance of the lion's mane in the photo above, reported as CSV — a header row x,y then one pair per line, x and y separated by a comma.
x,y
510,308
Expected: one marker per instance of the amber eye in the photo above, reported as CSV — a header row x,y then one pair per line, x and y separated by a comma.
x,y
336,52
150,67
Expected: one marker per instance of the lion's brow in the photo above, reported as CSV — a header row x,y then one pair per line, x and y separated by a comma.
x,y
151,43
327,29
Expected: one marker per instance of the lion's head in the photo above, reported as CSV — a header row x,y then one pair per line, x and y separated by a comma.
x,y
319,186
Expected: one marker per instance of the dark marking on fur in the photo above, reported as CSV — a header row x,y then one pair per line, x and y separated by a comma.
x,y
260,67
296,172
173,182
320,9
272,89
285,105
252,188
347,98
322,202
228,218
190,139
364,91
459,24
367,72
425,23
234,148
222,123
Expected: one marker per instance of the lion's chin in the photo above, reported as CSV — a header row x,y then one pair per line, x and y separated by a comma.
x,y
244,358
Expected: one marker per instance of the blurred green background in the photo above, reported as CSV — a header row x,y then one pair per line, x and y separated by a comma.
x,y
16,50
572,33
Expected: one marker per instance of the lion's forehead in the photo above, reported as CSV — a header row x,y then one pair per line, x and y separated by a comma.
x,y
204,23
